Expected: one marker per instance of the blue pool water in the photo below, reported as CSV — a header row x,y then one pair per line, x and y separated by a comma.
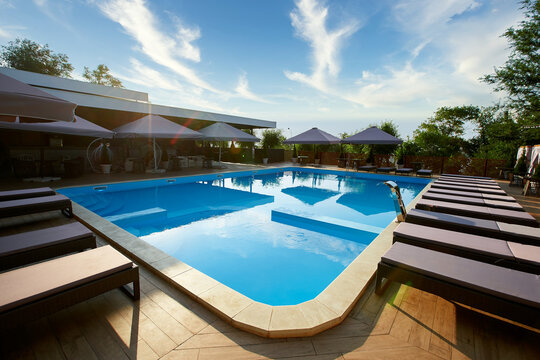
x,y
277,237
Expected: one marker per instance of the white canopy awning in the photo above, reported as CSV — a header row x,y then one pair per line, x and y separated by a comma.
x,y
225,132
79,127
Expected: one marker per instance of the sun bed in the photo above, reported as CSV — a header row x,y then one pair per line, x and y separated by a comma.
x,y
473,201
404,171
480,186
37,290
481,212
32,246
385,169
424,172
471,181
467,188
486,249
366,168
507,198
494,229
26,193
467,176
36,205
509,293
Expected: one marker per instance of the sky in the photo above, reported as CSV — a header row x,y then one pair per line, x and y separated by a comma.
x,y
338,65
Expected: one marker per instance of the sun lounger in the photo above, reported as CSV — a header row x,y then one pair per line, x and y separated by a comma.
x,y
471,181
509,293
424,172
467,176
26,193
32,246
385,169
480,186
36,205
404,171
481,212
494,229
486,249
366,168
37,290
468,188
473,201
473,194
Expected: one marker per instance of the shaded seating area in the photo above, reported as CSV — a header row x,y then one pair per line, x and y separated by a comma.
x,y
463,199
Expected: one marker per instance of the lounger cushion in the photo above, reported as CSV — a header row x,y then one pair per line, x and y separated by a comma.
x,y
33,205
473,201
386,169
513,232
529,254
470,181
483,212
404,170
424,172
455,240
459,183
27,284
469,189
467,176
26,193
512,285
472,194
26,241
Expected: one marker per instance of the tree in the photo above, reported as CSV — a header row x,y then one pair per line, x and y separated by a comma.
x,y
101,76
30,56
520,75
272,139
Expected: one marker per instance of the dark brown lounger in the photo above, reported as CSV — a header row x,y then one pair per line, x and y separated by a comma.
x,y
481,212
509,293
424,172
467,188
26,193
366,168
494,229
37,290
404,171
385,169
467,176
473,201
36,205
459,183
471,181
32,246
493,251
473,194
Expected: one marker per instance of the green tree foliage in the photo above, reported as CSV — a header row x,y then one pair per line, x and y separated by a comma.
x,y
272,139
520,75
442,134
24,54
101,76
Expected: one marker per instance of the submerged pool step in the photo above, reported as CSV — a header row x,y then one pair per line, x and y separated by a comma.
x,y
142,215
330,226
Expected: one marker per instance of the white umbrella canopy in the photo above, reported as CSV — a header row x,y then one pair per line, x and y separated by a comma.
x,y
154,126
20,99
79,126
224,132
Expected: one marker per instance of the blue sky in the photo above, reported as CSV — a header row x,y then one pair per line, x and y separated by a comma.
x,y
338,65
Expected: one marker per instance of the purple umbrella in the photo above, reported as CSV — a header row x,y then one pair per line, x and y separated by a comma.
x,y
371,136
313,136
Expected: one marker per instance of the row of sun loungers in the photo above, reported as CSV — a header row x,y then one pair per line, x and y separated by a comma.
x,y
402,171
469,248
30,289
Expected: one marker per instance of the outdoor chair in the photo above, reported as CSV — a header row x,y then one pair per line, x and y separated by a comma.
x,y
481,248
511,294
467,177
404,171
36,205
507,198
424,172
466,180
468,188
25,193
459,183
481,212
32,246
473,201
385,169
368,168
491,228
34,291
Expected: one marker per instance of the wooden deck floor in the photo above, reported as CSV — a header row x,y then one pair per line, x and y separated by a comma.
x,y
403,323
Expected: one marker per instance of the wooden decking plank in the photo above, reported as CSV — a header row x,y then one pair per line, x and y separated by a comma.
x,y
485,344
424,315
346,345
191,354
443,337
43,342
410,353
16,344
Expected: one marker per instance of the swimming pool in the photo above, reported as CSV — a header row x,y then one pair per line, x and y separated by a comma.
x,y
278,237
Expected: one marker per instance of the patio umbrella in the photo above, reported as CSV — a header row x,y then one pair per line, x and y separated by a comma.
x,y
371,136
313,136
224,132
154,126
20,99
78,126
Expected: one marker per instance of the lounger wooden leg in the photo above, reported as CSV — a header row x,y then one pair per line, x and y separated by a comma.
x,y
135,294
68,212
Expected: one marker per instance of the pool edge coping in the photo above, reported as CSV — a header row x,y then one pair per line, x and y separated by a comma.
x,y
323,312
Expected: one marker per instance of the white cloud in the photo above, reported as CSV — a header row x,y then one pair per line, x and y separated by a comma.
x,y
139,22
309,20
243,90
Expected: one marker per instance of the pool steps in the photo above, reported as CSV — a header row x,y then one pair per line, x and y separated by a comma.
x,y
147,214
358,232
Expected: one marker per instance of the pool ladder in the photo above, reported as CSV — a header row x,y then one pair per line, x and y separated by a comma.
x,y
398,201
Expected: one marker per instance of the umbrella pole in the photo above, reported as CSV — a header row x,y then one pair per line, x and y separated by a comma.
x,y
155,158
219,153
